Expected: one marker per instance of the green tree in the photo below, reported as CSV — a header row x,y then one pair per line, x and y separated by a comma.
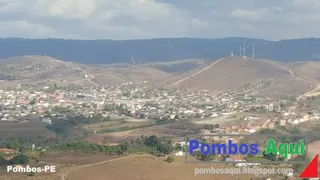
x,y
165,148
19,159
224,157
41,155
207,157
250,155
152,141
197,154
32,102
3,161
270,156
14,144
31,174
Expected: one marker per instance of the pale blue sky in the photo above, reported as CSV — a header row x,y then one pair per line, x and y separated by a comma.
x,y
130,19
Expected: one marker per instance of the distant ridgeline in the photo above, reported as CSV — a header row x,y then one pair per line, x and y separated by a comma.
x,y
166,49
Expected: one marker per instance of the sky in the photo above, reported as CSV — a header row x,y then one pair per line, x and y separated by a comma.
x,y
144,19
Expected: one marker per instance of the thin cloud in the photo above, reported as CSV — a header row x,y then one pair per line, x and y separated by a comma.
x,y
123,19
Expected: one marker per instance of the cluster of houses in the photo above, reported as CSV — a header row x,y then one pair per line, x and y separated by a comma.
x,y
126,100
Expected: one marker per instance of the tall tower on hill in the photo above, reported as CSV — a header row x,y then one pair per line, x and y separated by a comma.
x,y
244,48
253,51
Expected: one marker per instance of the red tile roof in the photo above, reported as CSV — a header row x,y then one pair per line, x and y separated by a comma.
x,y
6,150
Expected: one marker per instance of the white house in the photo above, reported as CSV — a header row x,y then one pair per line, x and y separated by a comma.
x,y
180,153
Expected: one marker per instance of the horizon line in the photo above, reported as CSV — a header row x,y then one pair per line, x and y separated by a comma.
x,y
158,38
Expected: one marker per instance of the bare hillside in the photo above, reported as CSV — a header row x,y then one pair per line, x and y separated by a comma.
x,y
232,72
43,70
308,70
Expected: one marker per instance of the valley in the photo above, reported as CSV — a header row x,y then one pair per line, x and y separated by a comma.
x,y
96,117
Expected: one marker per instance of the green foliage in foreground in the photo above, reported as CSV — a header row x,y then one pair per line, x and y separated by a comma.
x,y
170,159
150,145
18,159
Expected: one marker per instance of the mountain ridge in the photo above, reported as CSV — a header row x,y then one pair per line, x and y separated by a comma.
x,y
160,49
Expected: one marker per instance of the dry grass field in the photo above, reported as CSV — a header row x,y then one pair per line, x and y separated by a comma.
x,y
117,124
158,130
231,73
72,166
172,130
76,158
43,70
25,129
307,70
64,162
146,168
313,149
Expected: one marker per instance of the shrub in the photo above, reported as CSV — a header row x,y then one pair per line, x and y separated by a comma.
x,y
19,159
170,159
31,174
3,161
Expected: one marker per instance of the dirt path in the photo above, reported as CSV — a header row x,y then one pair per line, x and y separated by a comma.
x,y
298,78
90,76
307,94
64,176
196,73
294,76
67,64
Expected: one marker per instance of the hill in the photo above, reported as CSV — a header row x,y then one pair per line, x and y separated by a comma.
x,y
153,50
295,79
233,72
44,70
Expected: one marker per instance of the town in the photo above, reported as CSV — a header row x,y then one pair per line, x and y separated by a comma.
x,y
158,104
236,112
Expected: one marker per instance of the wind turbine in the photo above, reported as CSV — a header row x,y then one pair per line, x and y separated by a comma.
x,y
253,50
132,60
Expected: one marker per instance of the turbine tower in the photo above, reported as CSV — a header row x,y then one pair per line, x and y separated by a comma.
x,y
253,51
132,59
244,48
